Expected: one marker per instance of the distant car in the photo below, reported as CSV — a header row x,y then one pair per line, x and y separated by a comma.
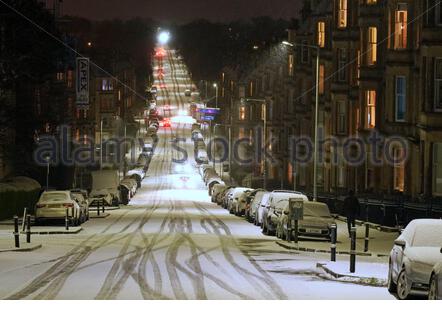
x,y
435,285
256,197
97,197
222,195
317,220
82,198
238,203
269,218
261,208
154,90
54,205
216,190
415,252
228,198
147,150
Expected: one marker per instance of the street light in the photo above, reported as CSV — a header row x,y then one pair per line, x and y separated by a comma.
x,y
216,94
264,112
163,37
315,154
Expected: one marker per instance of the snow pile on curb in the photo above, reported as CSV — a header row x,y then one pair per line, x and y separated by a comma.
x,y
372,274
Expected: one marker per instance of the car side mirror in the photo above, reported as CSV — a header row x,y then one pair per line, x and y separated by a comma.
x,y
400,243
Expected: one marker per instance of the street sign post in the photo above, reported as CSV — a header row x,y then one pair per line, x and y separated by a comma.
x,y
296,213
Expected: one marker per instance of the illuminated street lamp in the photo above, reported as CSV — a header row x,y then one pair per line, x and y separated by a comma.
x,y
216,95
163,37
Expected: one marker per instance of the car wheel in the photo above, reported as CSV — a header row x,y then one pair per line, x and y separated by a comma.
x,y
403,290
391,286
433,292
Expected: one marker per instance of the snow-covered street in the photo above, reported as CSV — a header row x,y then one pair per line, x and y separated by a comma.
x,y
170,242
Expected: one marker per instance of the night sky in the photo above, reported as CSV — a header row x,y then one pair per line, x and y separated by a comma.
x,y
180,11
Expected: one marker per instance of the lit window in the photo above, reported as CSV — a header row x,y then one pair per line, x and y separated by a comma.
x,y
119,95
341,109
251,88
399,169
291,64
342,15
372,1
342,65
70,79
321,78
401,98
321,34
263,112
372,45
106,85
60,76
242,113
438,85
400,32
371,109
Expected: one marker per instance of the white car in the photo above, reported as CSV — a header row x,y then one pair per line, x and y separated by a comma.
x,y
269,217
435,292
98,196
232,205
316,223
241,202
53,205
415,252
261,208
252,212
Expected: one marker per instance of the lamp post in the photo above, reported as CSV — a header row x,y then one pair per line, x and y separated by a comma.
x,y
315,154
48,159
264,118
216,94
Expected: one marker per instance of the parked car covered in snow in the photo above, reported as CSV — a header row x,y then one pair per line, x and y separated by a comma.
x,y
261,208
82,198
415,252
216,190
255,201
269,216
316,223
435,292
53,205
220,198
240,201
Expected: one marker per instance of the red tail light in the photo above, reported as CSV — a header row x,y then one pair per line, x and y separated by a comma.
x,y
39,206
68,205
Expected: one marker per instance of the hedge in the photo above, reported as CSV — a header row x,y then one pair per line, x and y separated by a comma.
x,y
16,194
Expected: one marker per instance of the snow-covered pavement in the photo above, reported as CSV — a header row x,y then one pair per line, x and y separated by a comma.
x,y
171,242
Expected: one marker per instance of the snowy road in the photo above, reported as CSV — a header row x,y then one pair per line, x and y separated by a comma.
x,y
171,242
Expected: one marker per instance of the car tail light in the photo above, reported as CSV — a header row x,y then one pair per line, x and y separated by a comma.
x,y
68,205
39,206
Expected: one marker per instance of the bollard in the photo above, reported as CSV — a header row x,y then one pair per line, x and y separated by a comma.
x,y
334,236
353,250
16,233
73,220
28,228
98,208
367,236
66,220
102,206
296,231
289,230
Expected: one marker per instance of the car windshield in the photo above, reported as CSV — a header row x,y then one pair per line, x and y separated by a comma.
x,y
316,210
428,236
54,196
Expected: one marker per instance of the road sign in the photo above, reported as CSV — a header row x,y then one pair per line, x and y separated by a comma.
x,y
207,118
209,110
296,207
